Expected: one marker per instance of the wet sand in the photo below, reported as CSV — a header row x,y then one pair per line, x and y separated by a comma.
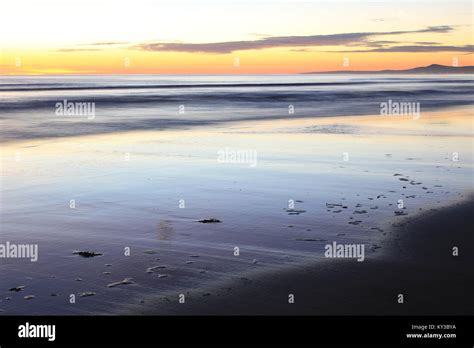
x,y
128,190
419,264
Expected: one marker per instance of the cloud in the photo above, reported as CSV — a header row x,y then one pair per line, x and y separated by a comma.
x,y
417,48
106,43
345,39
93,48
426,43
67,50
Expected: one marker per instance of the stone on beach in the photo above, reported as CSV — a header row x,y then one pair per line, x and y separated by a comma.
x,y
208,221
87,253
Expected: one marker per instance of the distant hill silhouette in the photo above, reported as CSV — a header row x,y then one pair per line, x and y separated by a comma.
x,y
430,69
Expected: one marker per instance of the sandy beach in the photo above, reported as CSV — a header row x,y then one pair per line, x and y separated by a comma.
x,y
137,199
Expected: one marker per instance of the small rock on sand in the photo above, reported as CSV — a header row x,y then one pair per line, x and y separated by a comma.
x,y
360,212
208,221
87,253
295,211
122,282
355,222
153,268
86,294
400,212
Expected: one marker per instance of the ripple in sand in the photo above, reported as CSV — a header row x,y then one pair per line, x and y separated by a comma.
x,y
17,288
310,240
29,297
151,252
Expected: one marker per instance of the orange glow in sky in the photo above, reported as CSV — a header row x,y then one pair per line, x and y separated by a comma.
x,y
266,37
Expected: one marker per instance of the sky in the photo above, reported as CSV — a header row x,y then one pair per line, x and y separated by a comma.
x,y
231,37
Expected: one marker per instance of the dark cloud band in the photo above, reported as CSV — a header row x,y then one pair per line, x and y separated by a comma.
x,y
281,41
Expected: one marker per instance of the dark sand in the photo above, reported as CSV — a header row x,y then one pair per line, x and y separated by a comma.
x,y
419,264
